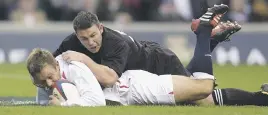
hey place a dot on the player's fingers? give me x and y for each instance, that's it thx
(65, 57)
(51, 97)
(51, 103)
(68, 59)
(70, 52)
(67, 53)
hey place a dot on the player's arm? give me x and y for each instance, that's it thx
(105, 75)
(112, 65)
(42, 96)
(87, 85)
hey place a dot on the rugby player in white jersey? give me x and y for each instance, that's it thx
(45, 70)
(133, 87)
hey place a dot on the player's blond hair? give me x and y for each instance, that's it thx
(37, 60)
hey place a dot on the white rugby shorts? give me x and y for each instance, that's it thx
(138, 87)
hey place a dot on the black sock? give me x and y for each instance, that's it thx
(201, 61)
(213, 45)
(232, 96)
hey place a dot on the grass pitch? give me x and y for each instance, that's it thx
(134, 110)
(15, 81)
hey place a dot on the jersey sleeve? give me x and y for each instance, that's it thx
(87, 85)
(117, 58)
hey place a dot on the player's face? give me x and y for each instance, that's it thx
(49, 74)
(91, 37)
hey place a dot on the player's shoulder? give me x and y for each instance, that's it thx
(114, 38)
(61, 61)
(73, 66)
(70, 38)
(78, 70)
(72, 70)
(114, 35)
(71, 42)
(77, 66)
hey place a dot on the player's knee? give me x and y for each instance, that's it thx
(203, 88)
(206, 90)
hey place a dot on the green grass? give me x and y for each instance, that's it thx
(243, 77)
(134, 110)
(15, 81)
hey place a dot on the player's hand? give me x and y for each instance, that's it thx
(73, 56)
(54, 100)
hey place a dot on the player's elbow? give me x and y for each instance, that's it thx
(99, 100)
(91, 103)
(94, 99)
(102, 102)
(96, 103)
(110, 81)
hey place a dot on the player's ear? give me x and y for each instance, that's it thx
(101, 27)
(76, 34)
(57, 64)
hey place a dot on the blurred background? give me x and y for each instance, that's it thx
(39, 11)
(27, 24)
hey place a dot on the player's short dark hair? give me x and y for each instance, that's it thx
(36, 61)
(84, 20)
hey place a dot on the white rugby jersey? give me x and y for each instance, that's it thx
(86, 83)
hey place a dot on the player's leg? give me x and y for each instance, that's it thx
(171, 64)
(220, 33)
(186, 89)
(138, 87)
(163, 90)
(201, 61)
(233, 96)
(202, 27)
(203, 6)
(198, 89)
